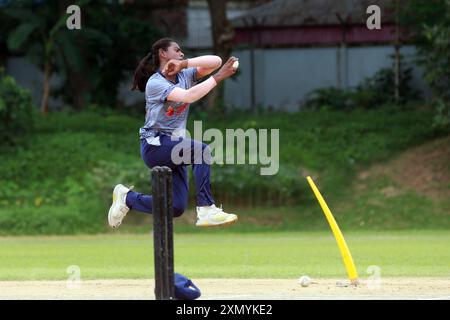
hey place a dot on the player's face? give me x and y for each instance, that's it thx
(174, 52)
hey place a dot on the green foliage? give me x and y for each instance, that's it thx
(329, 98)
(95, 58)
(414, 15)
(437, 60)
(61, 181)
(442, 117)
(20, 35)
(369, 207)
(130, 36)
(371, 93)
(380, 89)
(39, 30)
(66, 173)
(16, 111)
(236, 184)
(328, 144)
(432, 27)
(436, 63)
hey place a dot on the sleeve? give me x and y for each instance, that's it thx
(190, 74)
(158, 90)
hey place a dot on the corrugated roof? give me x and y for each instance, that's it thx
(283, 13)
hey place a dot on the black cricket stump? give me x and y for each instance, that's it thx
(163, 233)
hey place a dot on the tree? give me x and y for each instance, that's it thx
(414, 15)
(131, 35)
(93, 60)
(436, 61)
(429, 20)
(222, 34)
(41, 32)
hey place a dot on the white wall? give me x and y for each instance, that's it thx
(284, 77)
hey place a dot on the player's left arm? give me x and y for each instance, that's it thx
(205, 65)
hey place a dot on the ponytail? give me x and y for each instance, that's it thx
(149, 64)
(143, 72)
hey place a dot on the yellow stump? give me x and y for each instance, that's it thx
(343, 248)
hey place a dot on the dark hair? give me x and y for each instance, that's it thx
(149, 64)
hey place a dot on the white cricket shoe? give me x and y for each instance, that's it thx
(212, 216)
(119, 208)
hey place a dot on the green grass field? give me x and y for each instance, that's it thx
(227, 255)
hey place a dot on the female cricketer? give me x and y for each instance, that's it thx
(170, 85)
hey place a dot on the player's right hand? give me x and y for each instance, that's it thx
(174, 66)
(226, 70)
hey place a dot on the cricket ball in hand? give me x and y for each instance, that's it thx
(236, 64)
(304, 281)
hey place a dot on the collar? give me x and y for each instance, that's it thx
(176, 80)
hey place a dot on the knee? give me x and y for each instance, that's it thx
(178, 211)
(179, 207)
(180, 204)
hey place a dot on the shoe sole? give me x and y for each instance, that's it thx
(113, 207)
(218, 225)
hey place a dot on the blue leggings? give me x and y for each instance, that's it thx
(161, 156)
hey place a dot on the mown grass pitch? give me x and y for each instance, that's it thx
(227, 255)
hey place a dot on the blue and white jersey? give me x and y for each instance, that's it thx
(161, 115)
